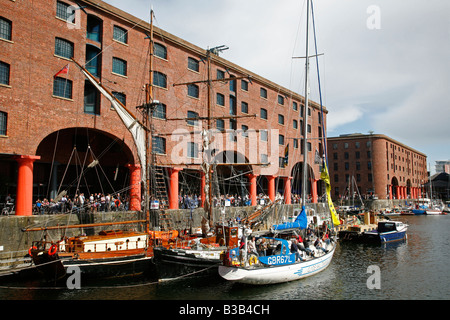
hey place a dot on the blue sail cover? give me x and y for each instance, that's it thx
(300, 223)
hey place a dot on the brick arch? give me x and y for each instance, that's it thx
(64, 153)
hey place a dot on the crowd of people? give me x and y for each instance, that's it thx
(96, 202)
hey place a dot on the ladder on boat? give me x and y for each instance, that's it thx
(159, 192)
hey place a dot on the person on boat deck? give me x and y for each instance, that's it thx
(308, 251)
(262, 247)
(251, 246)
(326, 237)
(295, 249)
(319, 245)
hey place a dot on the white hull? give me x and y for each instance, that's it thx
(433, 212)
(277, 274)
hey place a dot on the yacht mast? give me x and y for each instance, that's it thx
(305, 114)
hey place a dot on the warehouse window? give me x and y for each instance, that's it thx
(159, 145)
(193, 64)
(63, 48)
(192, 115)
(62, 88)
(160, 51)
(160, 111)
(119, 66)
(120, 34)
(91, 99)
(3, 123)
(263, 93)
(5, 28)
(93, 60)
(193, 91)
(263, 114)
(192, 151)
(159, 79)
(65, 12)
(4, 73)
(94, 28)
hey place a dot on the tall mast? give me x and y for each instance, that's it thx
(149, 104)
(305, 113)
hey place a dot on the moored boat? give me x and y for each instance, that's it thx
(387, 231)
(282, 265)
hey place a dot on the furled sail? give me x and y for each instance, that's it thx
(135, 127)
(326, 178)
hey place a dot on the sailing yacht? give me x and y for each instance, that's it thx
(280, 258)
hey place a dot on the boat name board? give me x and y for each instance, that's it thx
(278, 260)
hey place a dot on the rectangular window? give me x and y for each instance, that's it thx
(119, 66)
(121, 97)
(263, 93)
(244, 130)
(220, 99)
(65, 12)
(280, 100)
(244, 107)
(281, 140)
(120, 34)
(63, 48)
(192, 151)
(220, 74)
(5, 29)
(3, 123)
(264, 135)
(160, 111)
(159, 145)
(264, 158)
(160, 51)
(233, 105)
(280, 119)
(4, 73)
(263, 114)
(193, 64)
(295, 143)
(191, 116)
(159, 79)
(295, 124)
(244, 85)
(220, 124)
(62, 88)
(193, 91)
(294, 106)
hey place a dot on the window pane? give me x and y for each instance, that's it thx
(62, 88)
(65, 12)
(3, 123)
(193, 65)
(220, 99)
(4, 73)
(121, 97)
(244, 107)
(159, 145)
(263, 113)
(192, 150)
(192, 114)
(120, 34)
(63, 48)
(160, 111)
(160, 51)
(193, 91)
(5, 29)
(119, 66)
(159, 79)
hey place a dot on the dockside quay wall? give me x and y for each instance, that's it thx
(15, 242)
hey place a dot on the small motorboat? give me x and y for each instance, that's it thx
(387, 231)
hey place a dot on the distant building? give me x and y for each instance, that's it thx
(381, 167)
(443, 166)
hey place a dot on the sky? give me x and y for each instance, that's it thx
(385, 65)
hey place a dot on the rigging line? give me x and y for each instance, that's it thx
(318, 78)
(53, 161)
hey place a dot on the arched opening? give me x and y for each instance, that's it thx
(81, 160)
(394, 184)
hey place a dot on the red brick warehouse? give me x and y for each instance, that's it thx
(51, 125)
(379, 165)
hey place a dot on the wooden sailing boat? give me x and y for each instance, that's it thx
(281, 263)
(114, 252)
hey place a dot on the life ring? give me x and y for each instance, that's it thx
(252, 260)
(52, 250)
(31, 248)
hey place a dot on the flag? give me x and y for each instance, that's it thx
(286, 156)
(64, 70)
(326, 178)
